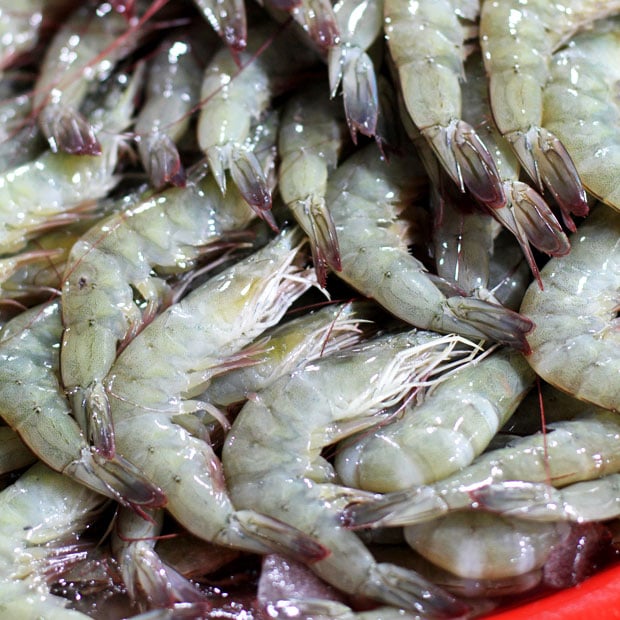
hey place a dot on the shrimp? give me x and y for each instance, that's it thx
(39, 513)
(580, 107)
(85, 49)
(237, 90)
(144, 573)
(478, 545)
(133, 250)
(228, 19)
(14, 454)
(50, 190)
(430, 66)
(170, 361)
(363, 197)
(571, 451)
(576, 338)
(286, 346)
(172, 91)
(517, 43)
(33, 404)
(452, 426)
(279, 433)
(310, 141)
(360, 24)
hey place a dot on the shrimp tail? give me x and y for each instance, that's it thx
(415, 505)
(405, 588)
(99, 419)
(493, 321)
(228, 19)
(354, 68)
(549, 164)
(468, 161)
(67, 130)
(163, 162)
(116, 477)
(248, 528)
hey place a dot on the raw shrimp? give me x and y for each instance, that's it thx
(478, 545)
(172, 91)
(84, 50)
(517, 42)
(580, 107)
(582, 502)
(286, 346)
(279, 433)
(237, 90)
(363, 196)
(49, 190)
(14, 453)
(131, 251)
(360, 25)
(33, 404)
(41, 514)
(311, 137)
(452, 426)
(576, 340)
(145, 575)
(171, 361)
(426, 40)
(580, 449)
(228, 19)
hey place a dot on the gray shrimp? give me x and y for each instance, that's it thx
(277, 436)
(444, 433)
(364, 195)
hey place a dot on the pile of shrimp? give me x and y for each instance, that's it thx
(210, 210)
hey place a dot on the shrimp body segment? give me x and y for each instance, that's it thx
(364, 195)
(279, 434)
(171, 361)
(34, 405)
(112, 260)
(517, 41)
(576, 342)
(426, 42)
(444, 433)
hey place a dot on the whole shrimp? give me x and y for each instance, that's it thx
(133, 250)
(580, 107)
(580, 449)
(364, 195)
(171, 361)
(311, 138)
(33, 404)
(172, 91)
(40, 514)
(575, 342)
(444, 433)
(236, 91)
(430, 67)
(51, 189)
(278, 435)
(85, 49)
(517, 42)
(479, 545)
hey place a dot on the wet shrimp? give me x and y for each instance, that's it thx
(157, 376)
(364, 195)
(430, 68)
(236, 91)
(444, 433)
(580, 449)
(278, 435)
(51, 189)
(228, 19)
(576, 338)
(41, 514)
(580, 107)
(33, 404)
(311, 138)
(517, 42)
(172, 92)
